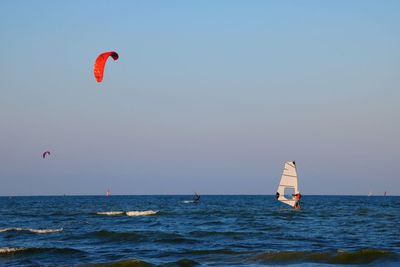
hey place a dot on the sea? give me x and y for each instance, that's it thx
(220, 230)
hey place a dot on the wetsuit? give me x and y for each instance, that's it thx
(196, 198)
(297, 203)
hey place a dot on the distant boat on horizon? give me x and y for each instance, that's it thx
(108, 193)
(370, 194)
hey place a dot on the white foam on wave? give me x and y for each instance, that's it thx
(188, 201)
(6, 250)
(141, 213)
(36, 231)
(110, 213)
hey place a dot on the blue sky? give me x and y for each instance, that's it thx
(207, 96)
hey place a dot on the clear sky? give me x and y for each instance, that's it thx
(207, 96)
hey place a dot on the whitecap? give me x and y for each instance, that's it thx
(45, 231)
(6, 250)
(110, 213)
(141, 213)
(36, 231)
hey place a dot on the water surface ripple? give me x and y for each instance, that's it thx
(221, 230)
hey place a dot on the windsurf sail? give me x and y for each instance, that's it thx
(288, 186)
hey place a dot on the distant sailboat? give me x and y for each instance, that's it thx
(108, 193)
(385, 194)
(288, 190)
(370, 193)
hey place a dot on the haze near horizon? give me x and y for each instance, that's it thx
(209, 96)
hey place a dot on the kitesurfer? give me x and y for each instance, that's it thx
(196, 198)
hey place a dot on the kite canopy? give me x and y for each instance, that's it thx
(99, 65)
(46, 153)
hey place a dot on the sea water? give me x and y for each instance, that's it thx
(220, 230)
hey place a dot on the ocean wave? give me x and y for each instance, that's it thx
(141, 213)
(172, 238)
(10, 250)
(138, 236)
(110, 213)
(213, 251)
(181, 262)
(36, 231)
(364, 256)
(117, 236)
(122, 263)
(140, 263)
(128, 213)
(214, 233)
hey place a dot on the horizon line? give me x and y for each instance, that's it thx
(103, 195)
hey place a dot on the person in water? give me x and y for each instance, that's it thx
(196, 198)
(297, 198)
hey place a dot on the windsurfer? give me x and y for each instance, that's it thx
(297, 198)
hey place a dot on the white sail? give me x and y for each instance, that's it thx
(288, 181)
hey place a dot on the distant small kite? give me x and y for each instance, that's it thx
(46, 153)
(100, 63)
